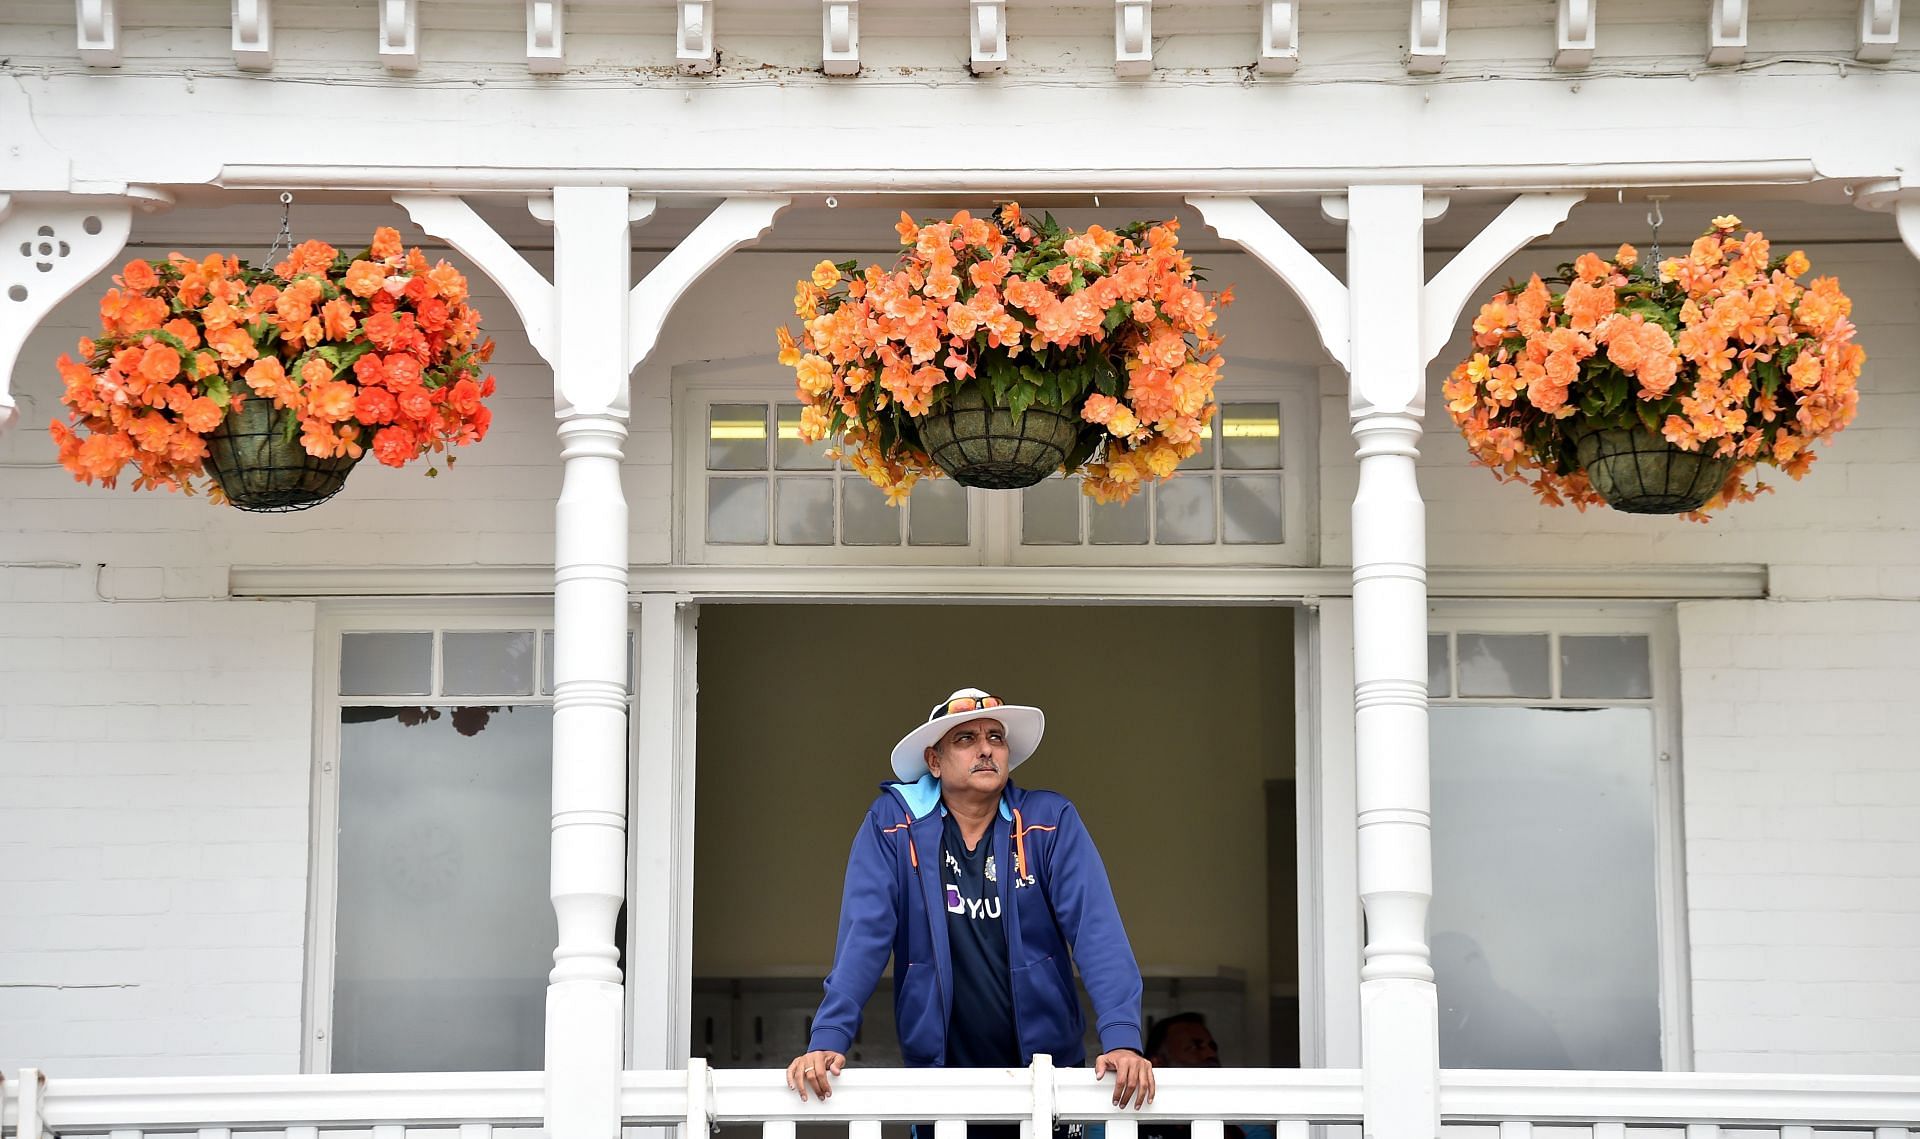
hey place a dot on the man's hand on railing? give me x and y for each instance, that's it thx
(812, 1070)
(1132, 1076)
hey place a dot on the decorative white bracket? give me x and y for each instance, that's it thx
(1879, 31)
(530, 294)
(1279, 37)
(98, 24)
(1727, 32)
(987, 28)
(840, 37)
(47, 252)
(1133, 37)
(1527, 217)
(732, 224)
(400, 34)
(1427, 37)
(694, 48)
(1243, 222)
(253, 35)
(546, 36)
(1896, 197)
(1574, 33)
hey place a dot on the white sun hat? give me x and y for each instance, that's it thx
(1024, 725)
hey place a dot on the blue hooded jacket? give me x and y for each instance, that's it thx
(1058, 909)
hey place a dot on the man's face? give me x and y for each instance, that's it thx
(1189, 1046)
(972, 756)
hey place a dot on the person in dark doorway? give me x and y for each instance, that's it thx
(985, 895)
(1183, 1040)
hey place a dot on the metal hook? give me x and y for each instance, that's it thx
(1654, 217)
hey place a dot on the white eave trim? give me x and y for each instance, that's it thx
(1007, 583)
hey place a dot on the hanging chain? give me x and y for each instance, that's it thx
(1654, 218)
(284, 239)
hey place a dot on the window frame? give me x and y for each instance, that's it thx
(414, 615)
(1656, 622)
(698, 387)
(1296, 392)
(994, 519)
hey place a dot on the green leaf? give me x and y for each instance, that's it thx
(1649, 415)
(1021, 400)
(1613, 386)
(216, 390)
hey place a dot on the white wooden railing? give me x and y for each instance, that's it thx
(1502, 1105)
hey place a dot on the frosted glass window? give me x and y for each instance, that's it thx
(444, 934)
(937, 514)
(1126, 523)
(865, 517)
(1250, 508)
(1250, 436)
(1050, 513)
(1183, 511)
(386, 664)
(737, 437)
(1203, 460)
(737, 511)
(1439, 683)
(1544, 932)
(804, 512)
(1504, 665)
(789, 453)
(487, 664)
(546, 656)
(1605, 668)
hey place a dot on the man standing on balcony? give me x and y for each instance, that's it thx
(986, 896)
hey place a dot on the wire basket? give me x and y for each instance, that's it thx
(1639, 472)
(985, 446)
(262, 468)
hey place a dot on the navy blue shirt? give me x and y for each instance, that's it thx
(980, 1033)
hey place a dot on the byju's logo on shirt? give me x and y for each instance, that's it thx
(973, 909)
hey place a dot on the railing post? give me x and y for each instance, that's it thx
(1043, 1096)
(33, 1084)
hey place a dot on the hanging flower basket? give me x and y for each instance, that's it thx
(981, 445)
(1637, 471)
(274, 383)
(256, 459)
(1660, 392)
(1003, 349)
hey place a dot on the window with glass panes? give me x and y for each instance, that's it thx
(1233, 493)
(751, 492)
(436, 860)
(765, 487)
(1549, 801)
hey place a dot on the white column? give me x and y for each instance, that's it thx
(1407, 319)
(595, 328)
(584, 1000)
(1399, 1019)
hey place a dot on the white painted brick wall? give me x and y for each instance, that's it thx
(154, 772)
(1803, 834)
